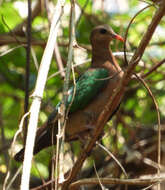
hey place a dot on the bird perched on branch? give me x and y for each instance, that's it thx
(93, 90)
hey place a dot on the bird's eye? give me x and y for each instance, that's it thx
(103, 31)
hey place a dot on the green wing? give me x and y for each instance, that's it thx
(88, 87)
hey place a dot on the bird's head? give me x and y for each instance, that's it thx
(103, 34)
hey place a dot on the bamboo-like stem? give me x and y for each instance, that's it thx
(38, 94)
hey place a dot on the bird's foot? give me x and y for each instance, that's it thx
(83, 139)
(91, 118)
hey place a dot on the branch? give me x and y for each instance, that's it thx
(115, 99)
(63, 110)
(158, 117)
(6, 39)
(57, 54)
(116, 181)
(35, 12)
(154, 68)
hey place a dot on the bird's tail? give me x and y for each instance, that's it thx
(45, 137)
(20, 155)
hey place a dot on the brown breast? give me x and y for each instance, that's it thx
(85, 119)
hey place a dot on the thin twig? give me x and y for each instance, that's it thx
(11, 32)
(154, 68)
(12, 147)
(27, 73)
(6, 39)
(109, 181)
(128, 27)
(82, 11)
(13, 178)
(150, 186)
(35, 12)
(116, 54)
(63, 109)
(34, 59)
(158, 117)
(116, 181)
(10, 50)
(57, 54)
(59, 60)
(3, 138)
(101, 185)
(115, 159)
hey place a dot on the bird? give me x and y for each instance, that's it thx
(93, 90)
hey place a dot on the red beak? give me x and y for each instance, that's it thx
(118, 37)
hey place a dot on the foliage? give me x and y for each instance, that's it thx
(137, 110)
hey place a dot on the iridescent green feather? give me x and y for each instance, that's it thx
(88, 86)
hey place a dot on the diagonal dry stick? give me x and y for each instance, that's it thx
(158, 117)
(116, 181)
(35, 12)
(154, 68)
(117, 95)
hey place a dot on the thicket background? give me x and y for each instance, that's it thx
(131, 135)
